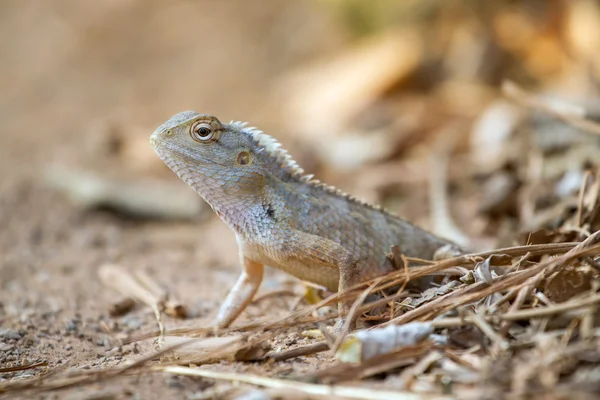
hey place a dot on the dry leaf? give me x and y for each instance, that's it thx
(363, 345)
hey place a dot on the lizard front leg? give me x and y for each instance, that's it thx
(241, 293)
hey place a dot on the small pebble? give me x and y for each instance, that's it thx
(71, 326)
(132, 323)
(174, 382)
(11, 334)
(6, 347)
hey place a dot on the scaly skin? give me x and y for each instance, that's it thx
(282, 217)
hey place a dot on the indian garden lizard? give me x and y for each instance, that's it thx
(281, 216)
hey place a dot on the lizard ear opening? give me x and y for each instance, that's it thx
(243, 158)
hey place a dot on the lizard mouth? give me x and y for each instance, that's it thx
(167, 151)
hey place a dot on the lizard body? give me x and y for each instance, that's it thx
(282, 217)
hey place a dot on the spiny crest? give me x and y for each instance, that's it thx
(272, 147)
(287, 163)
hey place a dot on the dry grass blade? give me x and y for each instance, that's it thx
(409, 374)
(434, 305)
(113, 276)
(439, 161)
(203, 346)
(351, 392)
(23, 367)
(542, 312)
(522, 295)
(116, 278)
(352, 315)
(484, 327)
(582, 191)
(514, 92)
(309, 349)
(170, 305)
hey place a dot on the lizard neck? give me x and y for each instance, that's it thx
(243, 213)
(239, 197)
(237, 200)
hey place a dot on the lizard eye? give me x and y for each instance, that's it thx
(202, 131)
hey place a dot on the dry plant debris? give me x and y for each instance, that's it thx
(515, 326)
(142, 288)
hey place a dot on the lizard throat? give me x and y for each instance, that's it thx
(208, 181)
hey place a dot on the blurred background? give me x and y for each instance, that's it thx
(397, 102)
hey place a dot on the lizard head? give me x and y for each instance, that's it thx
(224, 163)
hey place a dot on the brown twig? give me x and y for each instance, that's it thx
(307, 350)
(514, 92)
(23, 367)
